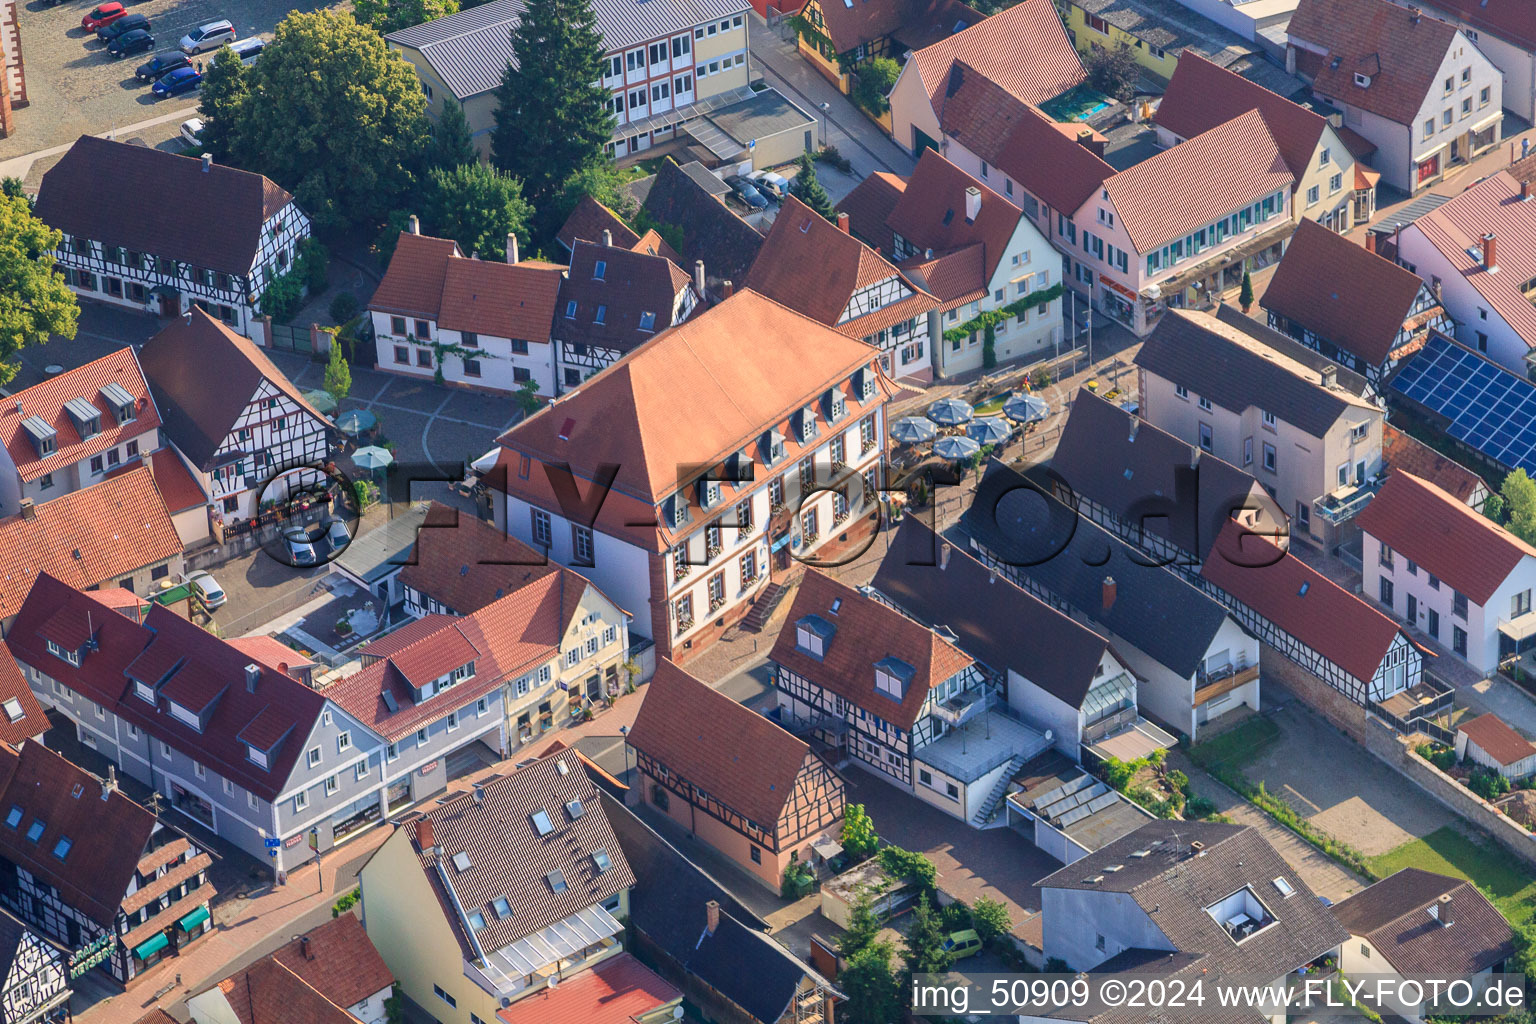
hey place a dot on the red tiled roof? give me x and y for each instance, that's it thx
(1400, 49)
(485, 297)
(1497, 739)
(1024, 49)
(1490, 206)
(1340, 291)
(616, 991)
(93, 536)
(1404, 452)
(725, 748)
(178, 488)
(1020, 141)
(46, 401)
(628, 414)
(1180, 189)
(1300, 600)
(338, 961)
(1202, 95)
(413, 283)
(270, 991)
(589, 220)
(869, 204)
(866, 632)
(931, 214)
(954, 278)
(1513, 20)
(916, 23)
(269, 717)
(32, 723)
(1462, 547)
(652, 244)
(399, 639)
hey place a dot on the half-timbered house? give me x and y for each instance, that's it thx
(94, 871)
(614, 300)
(836, 37)
(470, 322)
(771, 453)
(71, 430)
(732, 778)
(1362, 311)
(228, 235)
(817, 268)
(244, 436)
(34, 976)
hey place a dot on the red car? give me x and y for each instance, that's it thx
(106, 14)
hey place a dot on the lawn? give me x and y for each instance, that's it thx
(993, 405)
(1237, 746)
(1505, 879)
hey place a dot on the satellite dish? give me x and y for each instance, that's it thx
(677, 1013)
(1049, 735)
(554, 979)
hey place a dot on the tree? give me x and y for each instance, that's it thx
(34, 301)
(476, 206)
(12, 187)
(527, 399)
(1519, 495)
(1113, 71)
(334, 117)
(874, 81)
(1245, 293)
(452, 145)
(552, 117)
(923, 950)
(990, 919)
(600, 181)
(1493, 508)
(863, 924)
(809, 191)
(859, 837)
(338, 375)
(384, 16)
(220, 98)
(873, 996)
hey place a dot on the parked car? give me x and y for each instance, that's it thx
(192, 131)
(207, 588)
(248, 49)
(962, 944)
(771, 184)
(301, 549)
(746, 192)
(177, 82)
(207, 37)
(127, 23)
(136, 41)
(337, 536)
(161, 64)
(106, 14)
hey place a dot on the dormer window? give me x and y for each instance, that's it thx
(647, 321)
(144, 692)
(892, 676)
(119, 401)
(864, 384)
(256, 757)
(805, 424)
(73, 657)
(836, 406)
(44, 438)
(773, 447)
(675, 509)
(709, 493)
(87, 417)
(812, 634)
(183, 715)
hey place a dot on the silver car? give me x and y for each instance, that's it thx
(207, 588)
(301, 550)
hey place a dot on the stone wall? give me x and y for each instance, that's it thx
(1340, 711)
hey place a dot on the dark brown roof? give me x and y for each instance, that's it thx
(508, 858)
(931, 213)
(501, 300)
(917, 23)
(466, 563)
(724, 748)
(1202, 95)
(589, 220)
(1514, 20)
(994, 621)
(215, 222)
(1404, 452)
(1020, 141)
(1464, 935)
(1340, 291)
(1023, 48)
(338, 961)
(413, 282)
(192, 350)
(270, 991)
(1400, 49)
(633, 284)
(1497, 739)
(1448, 538)
(869, 204)
(711, 232)
(107, 836)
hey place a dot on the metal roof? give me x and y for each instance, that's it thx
(385, 549)
(117, 395)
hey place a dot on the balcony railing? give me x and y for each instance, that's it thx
(1214, 684)
(1344, 504)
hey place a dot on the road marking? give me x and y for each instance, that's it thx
(425, 451)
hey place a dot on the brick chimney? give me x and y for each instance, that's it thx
(842, 222)
(711, 916)
(727, 289)
(1370, 241)
(426, 838)
(1109, 592)
(304, 948)
(1490, 252)
(28, 509)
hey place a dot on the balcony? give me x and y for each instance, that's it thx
(1209, 686)
(1344, 504)
(964, 706)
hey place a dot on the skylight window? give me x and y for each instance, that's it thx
(61, 848)
(35, 830)
(600, 858)
(600, 270)
(461, 860)
(13, 710)
(574, 809)
(541, 823)
(556, 880)
(477, 920)
(1283, 884)
(14, 818)
(501, 907)
(647, 321)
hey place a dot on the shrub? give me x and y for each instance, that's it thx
(990, 919)
(1199, 807)
(956, 917)
(347, 902)
(314, 262)
(831, 156)
(794, 875)
(859, 837)
(1489, 785)
(282, 297)
(343, 307)
(913, 868)
(1440, 756)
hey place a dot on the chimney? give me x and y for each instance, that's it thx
(943, 556)
(1525, 188)
(1135, 423)
(698, 277)
(992, 575)
(1370, 241)
(607, 239)
(1490, 252)
(109, 784)
(304, 949)
(711, 916)
(1414, 14)
(842, 222)
(1434, 286)
(1330, 376)
(727, 289)
(1109, 592)
(512, 253)
(425, 837)
(28, 509)
(972, 203)
(1444, 907)
(252, 677)
(1197, 848)
(207, 162)
(1290, 60)
(479, 793)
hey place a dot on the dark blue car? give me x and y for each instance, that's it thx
(177, 82)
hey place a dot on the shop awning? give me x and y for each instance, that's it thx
(194, 919)
(149, 947)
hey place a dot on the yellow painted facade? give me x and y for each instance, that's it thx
(1088, 31)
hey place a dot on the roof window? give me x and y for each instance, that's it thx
(461, 861)
(541, 823)
(556, 880)
(574, 809)
(601, 860)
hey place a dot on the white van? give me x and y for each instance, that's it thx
(207, 37)
(248, 49)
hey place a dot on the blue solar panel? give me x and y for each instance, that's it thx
(1488, 407)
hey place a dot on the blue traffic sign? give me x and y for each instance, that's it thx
(273, 843)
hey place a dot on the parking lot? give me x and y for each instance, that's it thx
(76, 88)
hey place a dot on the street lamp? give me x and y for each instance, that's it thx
(624, 742)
